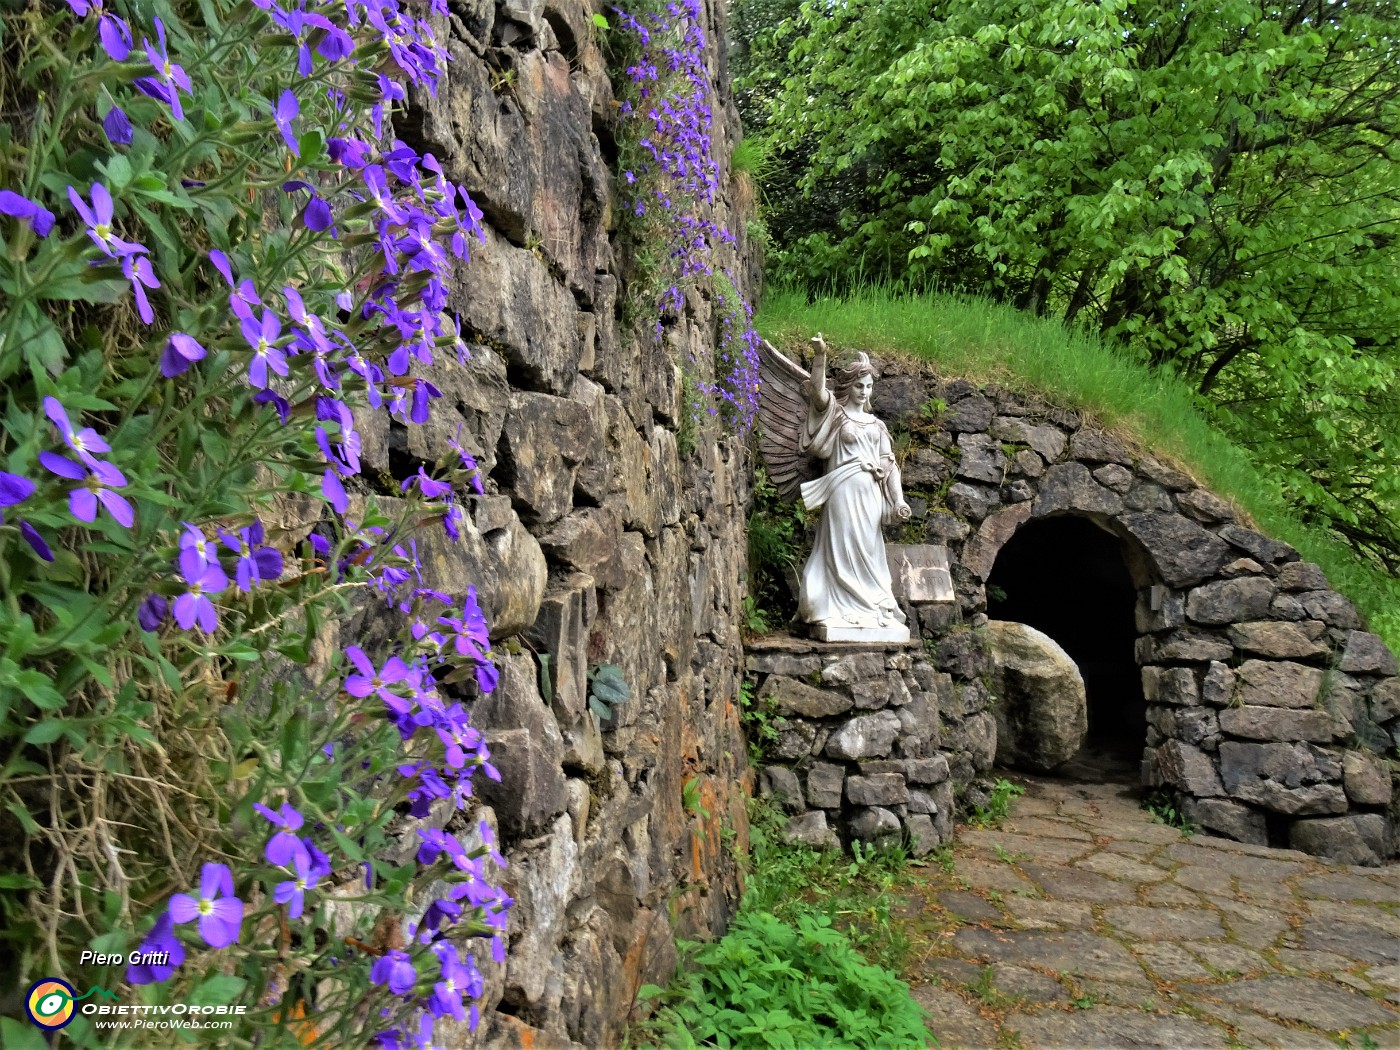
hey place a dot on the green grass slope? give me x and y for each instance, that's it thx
(984, 342)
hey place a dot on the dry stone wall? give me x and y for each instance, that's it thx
(596, 541)
(1270, 708)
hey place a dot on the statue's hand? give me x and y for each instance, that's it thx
(903, 512)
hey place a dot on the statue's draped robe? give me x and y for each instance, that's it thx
(846, 581)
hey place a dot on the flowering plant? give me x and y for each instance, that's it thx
(218, 265)
(671, 177)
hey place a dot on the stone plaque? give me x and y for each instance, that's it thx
(919, 572)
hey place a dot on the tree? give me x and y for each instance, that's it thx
(1212, 185)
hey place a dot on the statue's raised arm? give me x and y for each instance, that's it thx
(818, 398)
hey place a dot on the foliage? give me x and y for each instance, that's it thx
(607, 688)
(1216, 191)
(1162, 806)
(670, 178)
(690, 798)
(777, 545)
(760, 720)
(990, 343)
(998, 805)
(216, 261)
(785, 975)
(768, 983)
(755, 619)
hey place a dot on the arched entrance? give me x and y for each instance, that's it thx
(1069, 578)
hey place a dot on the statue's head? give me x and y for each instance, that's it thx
(852, 385)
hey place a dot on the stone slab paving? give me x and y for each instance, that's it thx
(1081, 923)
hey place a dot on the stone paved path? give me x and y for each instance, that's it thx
(1082, 923)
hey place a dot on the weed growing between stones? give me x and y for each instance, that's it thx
(1162, 806)
(808, 961)
(217, 263)
(777, 547)
(997, 808)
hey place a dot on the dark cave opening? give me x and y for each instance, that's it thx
(1069, 578)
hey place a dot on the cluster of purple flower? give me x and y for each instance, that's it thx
(672, 99)
(419, 221)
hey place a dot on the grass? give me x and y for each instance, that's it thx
(987, 343)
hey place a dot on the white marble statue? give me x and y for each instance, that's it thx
(827, 446)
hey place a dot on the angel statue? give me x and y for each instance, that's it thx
(826, 445)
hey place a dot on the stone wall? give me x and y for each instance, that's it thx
(596, 542)
(1270, 708)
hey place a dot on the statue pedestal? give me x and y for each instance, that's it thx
(821, 633)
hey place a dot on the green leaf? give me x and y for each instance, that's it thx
(47, 732)
(609, 685)
(218, 990)
(21, 1036)
(600, 21)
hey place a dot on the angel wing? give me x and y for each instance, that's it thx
(782, 410)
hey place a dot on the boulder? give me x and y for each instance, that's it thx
(865, 736)
(1257, 546)
(1226, 601)
(1097, 447)
(1366, 779)
(1041, 713)
(1205, 506)
(810, 829)
(981, 458)
(1279, 683)
(1367, 654)
(877, 789)
(780, 784)
(1183, 551)
(1070, 486)
(1361, 838)
(792, 697)
(1301, 576)
(875, 825)
(1231, 819)
(1279, 640)
(824, 782)
(1295, 778)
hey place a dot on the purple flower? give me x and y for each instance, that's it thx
(32, 537)
(426, 485)
(334, 491)
(244, 296)
(293, 891)
(457, 980)
(318, 216)
(39, 218)
(138, 271)
(99, 222)
(161, 938)
(98, 479)
(84, 442)
(286, 111)
(169, 79)
(220, 913)
(262, 337)
(14, 489)
(196, 552)
(152, 612)
(256, 563)
(194, 605)
(284, 845)
(395, 969)
(116, 39)
(181, 352)
(371, 681)
(117, 126)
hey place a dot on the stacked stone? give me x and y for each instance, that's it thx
(856, 755)
(1270, 707)
(595, 541)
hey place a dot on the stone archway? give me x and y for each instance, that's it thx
(1266, 701)
(1069, 578)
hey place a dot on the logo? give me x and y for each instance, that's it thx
(50, 1003)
